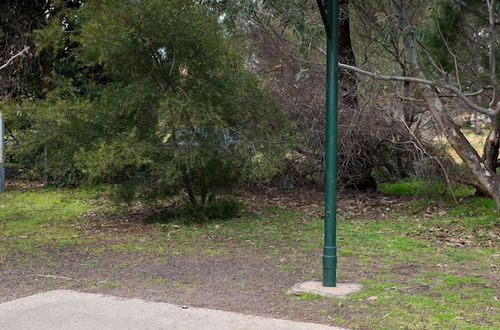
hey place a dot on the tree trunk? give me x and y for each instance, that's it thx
(486, 177)
(189, 188)
(492, 145)
(348, 80)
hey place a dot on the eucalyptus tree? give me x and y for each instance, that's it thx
(448, 50)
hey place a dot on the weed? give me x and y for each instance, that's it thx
(309, 296)
(160, 280)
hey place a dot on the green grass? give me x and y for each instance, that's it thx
(426, 190)
(403, 188)
(308, 296)
(419, 279)
(29, 219)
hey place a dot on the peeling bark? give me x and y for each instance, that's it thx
(491, 147)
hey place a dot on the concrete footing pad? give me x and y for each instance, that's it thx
(70, 310)
(342, 290)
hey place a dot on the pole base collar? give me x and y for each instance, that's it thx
(342, 290)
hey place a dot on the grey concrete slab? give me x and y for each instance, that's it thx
(342, 290)
(70, 310)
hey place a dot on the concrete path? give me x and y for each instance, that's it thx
(70, 310)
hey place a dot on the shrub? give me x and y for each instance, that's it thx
(135, 73)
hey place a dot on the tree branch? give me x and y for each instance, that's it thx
(493, 54)
(470, 9)
(476, 93)
(458, 93)
(487, 111)
(322, 10)
(6, 64)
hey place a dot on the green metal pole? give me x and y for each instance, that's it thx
(332, 86)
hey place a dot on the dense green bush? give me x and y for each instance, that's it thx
(131, 74)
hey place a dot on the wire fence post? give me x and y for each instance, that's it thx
(2, 153)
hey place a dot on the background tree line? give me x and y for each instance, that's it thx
(107, 86)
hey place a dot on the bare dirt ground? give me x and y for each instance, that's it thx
(239, 277)
(240, 280)
(237, 281)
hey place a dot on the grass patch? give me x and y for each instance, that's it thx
(426, 189)
(414, 272)
(403, 188)
(308, 296)
(28, 219)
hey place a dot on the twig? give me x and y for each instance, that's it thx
(53, 277)
(6, 64)
(451, 53)
(476, 93)
(493, 54)
(487, 111)
(473, 11)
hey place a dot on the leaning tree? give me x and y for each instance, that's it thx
(449, 50)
